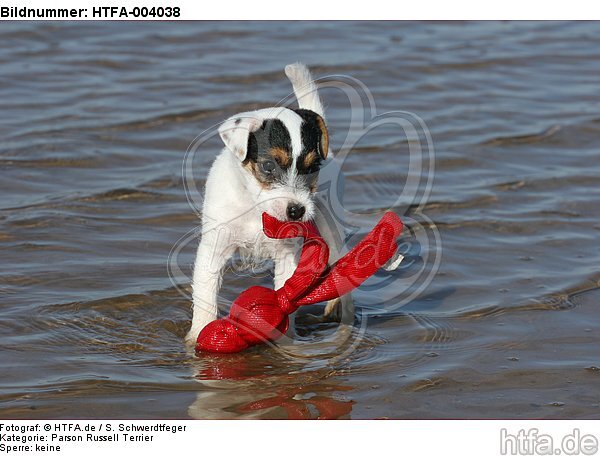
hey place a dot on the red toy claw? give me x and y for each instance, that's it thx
(260, 314)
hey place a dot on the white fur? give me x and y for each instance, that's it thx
(305, 88)
(234, 202)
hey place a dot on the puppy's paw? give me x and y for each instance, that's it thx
(333, 310)
(191, 337)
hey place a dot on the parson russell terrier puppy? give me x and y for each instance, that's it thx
(270, 163)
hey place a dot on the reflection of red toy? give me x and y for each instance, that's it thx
(327, 408)
(260, 314)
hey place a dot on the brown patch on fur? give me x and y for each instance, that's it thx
(324, 136)
(281, 156)
(252, 168)
(309, 159)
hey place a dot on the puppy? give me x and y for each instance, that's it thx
(270, 163)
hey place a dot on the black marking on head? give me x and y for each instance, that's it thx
(314, 142)
(279, 136)
(237, 121)
(269, 151)
(251, 149)
(271, 134)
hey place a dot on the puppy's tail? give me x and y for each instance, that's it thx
(305, 88)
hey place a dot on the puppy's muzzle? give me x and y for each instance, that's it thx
(295, 211)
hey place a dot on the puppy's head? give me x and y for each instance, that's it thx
(280, 153)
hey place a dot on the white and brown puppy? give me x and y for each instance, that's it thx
(270, 163)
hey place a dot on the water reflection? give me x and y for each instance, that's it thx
(246, 386)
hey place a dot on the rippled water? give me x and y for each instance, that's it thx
(96, 119)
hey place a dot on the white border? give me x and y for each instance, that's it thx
(291, 438)
(322, 10)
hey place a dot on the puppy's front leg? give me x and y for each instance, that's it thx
(215, 249)
(285, 265)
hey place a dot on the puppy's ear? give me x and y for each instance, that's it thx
(235, 132)
(324, 143)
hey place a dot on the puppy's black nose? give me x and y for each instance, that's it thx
(295, 211)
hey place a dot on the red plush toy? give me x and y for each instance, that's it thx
(260, 314)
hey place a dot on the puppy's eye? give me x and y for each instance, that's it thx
(268, 166)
